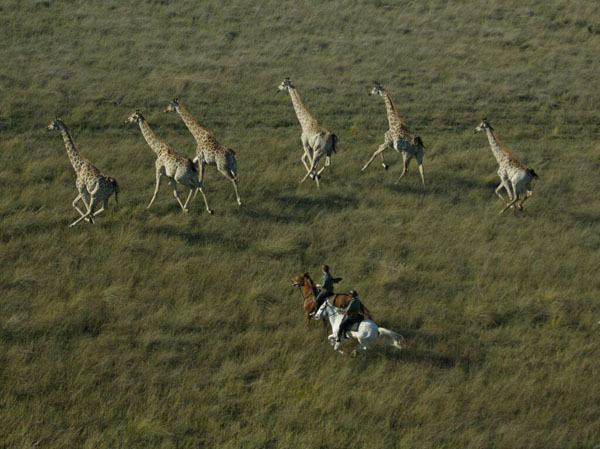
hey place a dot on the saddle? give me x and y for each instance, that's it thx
(353, 327)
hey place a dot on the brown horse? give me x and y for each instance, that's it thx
(309, 291)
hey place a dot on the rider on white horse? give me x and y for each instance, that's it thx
(352, 314)
(367, 331)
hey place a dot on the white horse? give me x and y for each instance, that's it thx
(366, 333)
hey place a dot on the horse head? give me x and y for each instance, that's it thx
(298, 281)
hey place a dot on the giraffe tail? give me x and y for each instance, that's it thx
(232, 163)
(113, 181)
(532, 173)
(193, 166)
(334, 141)
(419, 142)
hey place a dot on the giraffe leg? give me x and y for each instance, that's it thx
(176, 195)
(234, 181)
(383, 164)
(529, 194)
(380, 150)
(158, 175)
(500, 186)
(103, 208)
(77, 198)
(513, 200)
(201, 189)
(185, 205)
(313, 166)
(405, 160)
(200, 176)
(89, 213)
(327, 164)
(303, 159)
(420, 163)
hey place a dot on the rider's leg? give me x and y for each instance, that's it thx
(319, 300)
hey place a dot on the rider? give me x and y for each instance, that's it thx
(352, 314)
(326, 287)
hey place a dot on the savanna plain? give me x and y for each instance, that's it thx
(159, 329)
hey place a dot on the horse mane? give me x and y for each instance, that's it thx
(311, 284)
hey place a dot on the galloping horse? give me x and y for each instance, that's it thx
(367, 330)
(309, 291)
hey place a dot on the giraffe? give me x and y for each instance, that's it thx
(93, 186)
(174, 166)
(316, 140)
(397, 137)
(514, 176)
(208, 150)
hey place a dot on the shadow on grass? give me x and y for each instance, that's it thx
(451, 185)
(330, 201)
(195, 237)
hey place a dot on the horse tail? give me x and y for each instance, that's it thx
(113, 181)
(365, 311)
(393, 336)
(532, 173)
(334, 141)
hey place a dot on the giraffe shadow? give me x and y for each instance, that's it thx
(268, 215)
(330, 201)
(453, 184)
(198, 236)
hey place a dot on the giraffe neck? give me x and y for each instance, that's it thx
(156, 145)
(77, 160)
(501, 154)
(196, 130)
(393, 118)
(306, 120)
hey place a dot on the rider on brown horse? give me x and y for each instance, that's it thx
(326, 287)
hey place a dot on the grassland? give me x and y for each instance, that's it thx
(159, 329)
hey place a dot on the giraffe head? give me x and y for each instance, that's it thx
(136, 117)
(172, 106)
(377, 90)
(483, 126)
(286, 85)
(57, 123)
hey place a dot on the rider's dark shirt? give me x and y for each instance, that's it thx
(327, 282)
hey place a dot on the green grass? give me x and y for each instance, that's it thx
(159, 329)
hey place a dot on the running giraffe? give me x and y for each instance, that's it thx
(208, 150)
(316, 140)
(174, 166)
(514, 176)
(397, 137)
(93, 186)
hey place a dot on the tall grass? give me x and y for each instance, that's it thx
(163, 329)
